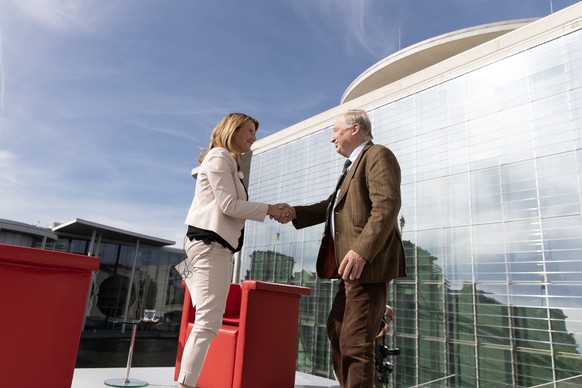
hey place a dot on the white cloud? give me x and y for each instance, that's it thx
(167, 131)
(364, 24)
(6, 158)
(64, 14)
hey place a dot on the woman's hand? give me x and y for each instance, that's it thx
(281, 212)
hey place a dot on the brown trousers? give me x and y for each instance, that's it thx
(352, 326)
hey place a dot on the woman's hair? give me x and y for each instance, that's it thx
(222, 134)
(358, 116)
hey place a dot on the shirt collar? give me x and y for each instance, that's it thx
(357, 151)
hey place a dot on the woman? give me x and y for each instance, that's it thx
(215, 231)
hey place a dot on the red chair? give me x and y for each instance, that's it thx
(43, 296)
(256, 346)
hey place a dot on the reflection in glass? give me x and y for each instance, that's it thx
(492, 196)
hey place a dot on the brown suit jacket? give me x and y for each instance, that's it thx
(366, 214)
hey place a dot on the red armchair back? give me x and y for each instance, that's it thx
(256, 346)
(43, 294)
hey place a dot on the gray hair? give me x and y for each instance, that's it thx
(360, 117)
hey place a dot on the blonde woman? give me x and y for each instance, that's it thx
(215, 231)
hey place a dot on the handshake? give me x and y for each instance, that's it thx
(281, 212)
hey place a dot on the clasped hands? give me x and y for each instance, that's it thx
(281, 212)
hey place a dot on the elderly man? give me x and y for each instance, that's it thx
(361, 245)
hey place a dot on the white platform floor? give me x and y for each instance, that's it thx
(164, 377)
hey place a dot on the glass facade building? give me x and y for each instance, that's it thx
(120, 289)
(490, 147)
(136, 272)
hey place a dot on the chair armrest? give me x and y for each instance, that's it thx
(275, 287)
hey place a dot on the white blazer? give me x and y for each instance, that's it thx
(220, 201)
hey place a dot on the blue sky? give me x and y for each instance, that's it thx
(105, 104)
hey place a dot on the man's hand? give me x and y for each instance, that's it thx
(351, 266)
(281, 212)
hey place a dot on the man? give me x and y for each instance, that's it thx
(383, 366)
(385, 328)
(361, 246)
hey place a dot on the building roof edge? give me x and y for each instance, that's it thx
(424, 54)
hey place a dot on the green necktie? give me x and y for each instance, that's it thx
(347, 164)
(338, 185)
